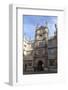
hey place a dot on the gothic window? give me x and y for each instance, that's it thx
(52, 53)
(40, 52)
(42, 44)
(37, 52)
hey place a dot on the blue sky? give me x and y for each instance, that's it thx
(30, 23)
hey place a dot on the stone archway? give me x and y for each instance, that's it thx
(40, 66)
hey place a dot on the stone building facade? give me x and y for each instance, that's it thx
(52, 51)
(27, 56)
(40, 62)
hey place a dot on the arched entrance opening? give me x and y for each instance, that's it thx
(40, 66)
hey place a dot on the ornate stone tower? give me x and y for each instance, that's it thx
(40, 61)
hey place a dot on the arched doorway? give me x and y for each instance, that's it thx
(40, 66)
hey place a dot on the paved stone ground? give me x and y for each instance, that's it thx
(42, 72)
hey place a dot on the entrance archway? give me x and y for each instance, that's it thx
(40, 66)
